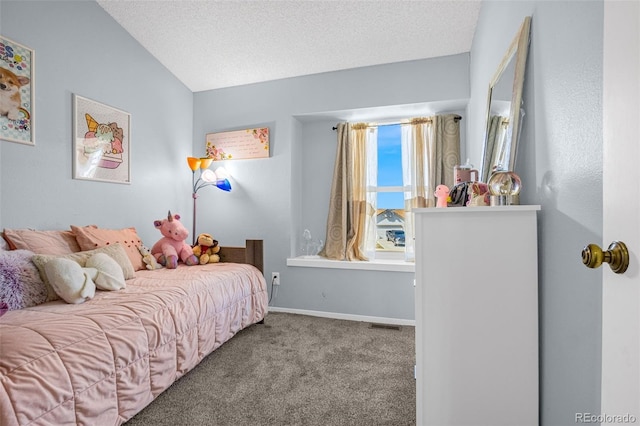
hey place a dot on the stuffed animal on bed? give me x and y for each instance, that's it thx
(172, 247)
(148, 259)
(207, 249)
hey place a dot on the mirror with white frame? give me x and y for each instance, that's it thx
(504, 112)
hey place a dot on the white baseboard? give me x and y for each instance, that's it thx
(350, 317)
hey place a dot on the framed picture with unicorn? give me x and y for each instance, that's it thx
(101, 142)
(16, 92)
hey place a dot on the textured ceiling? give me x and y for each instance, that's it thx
(214, 44)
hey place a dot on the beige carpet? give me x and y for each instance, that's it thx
(297, 370)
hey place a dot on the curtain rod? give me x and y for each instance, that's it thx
(456, 118)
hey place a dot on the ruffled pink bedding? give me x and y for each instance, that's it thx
(101, 362)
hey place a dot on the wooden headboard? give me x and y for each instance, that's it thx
(252, 254)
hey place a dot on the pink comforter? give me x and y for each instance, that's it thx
(101, 362)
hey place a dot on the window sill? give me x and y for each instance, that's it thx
(389, 265)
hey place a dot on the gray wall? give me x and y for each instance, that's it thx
(560, 163)
(80, 49)
(277, 198)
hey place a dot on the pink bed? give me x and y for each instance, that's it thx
(101, 362)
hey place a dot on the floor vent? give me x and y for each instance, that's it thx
(384, 326)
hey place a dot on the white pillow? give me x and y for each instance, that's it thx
(115, 251)
(70, 281)
(110, 275)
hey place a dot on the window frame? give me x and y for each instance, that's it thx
(397, 254)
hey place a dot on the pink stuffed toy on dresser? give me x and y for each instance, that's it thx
(172, 246)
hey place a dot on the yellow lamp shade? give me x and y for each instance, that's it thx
(194, 163)
(205, 162)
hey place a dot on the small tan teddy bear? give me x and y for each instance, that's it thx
(206, 249)
(148, 258)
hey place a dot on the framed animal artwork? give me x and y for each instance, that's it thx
(101, 142)
(17, 92)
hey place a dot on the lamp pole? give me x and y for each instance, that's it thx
(195, 196)
(194, 219)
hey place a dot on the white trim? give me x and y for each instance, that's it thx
(392, 265)
(349, 317)
(485, 209)
(394, 255)
(388, 189)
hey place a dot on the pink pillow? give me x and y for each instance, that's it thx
(90, 238)
(42, 242)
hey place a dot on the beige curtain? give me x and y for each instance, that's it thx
(430, 150)
(351, 208)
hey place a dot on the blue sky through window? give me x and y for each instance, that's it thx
(389, 166)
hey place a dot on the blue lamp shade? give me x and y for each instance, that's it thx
(219, 178)
(223, 184)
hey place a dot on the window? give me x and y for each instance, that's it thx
(416, 151)
(390, 196)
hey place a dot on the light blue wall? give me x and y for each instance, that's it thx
(80, 49)
(276, 198)
(560, 163)
(560, 159)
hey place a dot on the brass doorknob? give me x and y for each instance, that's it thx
(617, 256)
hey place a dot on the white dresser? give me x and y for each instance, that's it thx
(477, 316)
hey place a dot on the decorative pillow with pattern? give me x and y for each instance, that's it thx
(90, 238)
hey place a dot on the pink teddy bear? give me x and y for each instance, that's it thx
(172, 246)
